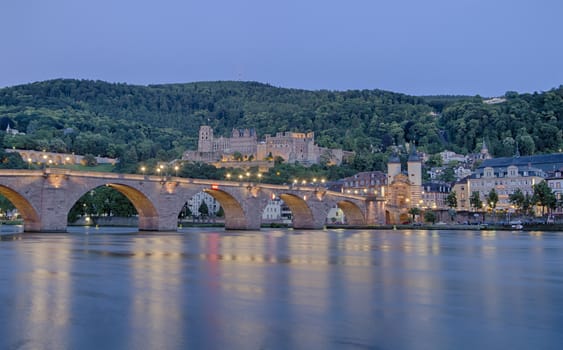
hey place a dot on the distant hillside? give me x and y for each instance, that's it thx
(161, 121)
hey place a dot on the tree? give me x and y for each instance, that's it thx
(220, 212)
(238, 156)
(492, 198)
(89, 160)
(448, 175)
(451, 200)
(203, 209)
(430, 216)
(543, 196)
(475, 200)
(517, 199)
(414, 211)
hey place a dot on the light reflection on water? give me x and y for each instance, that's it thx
(281, 289)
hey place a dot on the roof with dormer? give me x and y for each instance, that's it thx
(545, 162)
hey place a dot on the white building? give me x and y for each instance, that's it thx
(195, 202)
(272, 212)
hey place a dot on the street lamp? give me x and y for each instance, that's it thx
(259, 175)
(143, 169)
(176, 170)
(228, 176)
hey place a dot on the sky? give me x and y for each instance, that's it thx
(417, 47)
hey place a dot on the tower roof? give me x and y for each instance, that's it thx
(413, 156)
(394, 158)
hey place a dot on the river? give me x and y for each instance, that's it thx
(281, 289)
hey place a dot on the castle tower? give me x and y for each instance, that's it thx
(393, 167)
(205, 142)
(414, 169)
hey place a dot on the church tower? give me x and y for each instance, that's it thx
(205, 142)
(414, 169)
(485, 151)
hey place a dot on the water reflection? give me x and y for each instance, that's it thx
(282, 289)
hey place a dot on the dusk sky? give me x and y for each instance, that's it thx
(471, 47)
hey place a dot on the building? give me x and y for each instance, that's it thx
(434, 195)
(195, 202)
(449, 156)
(507, 174)
(243, 144)
(404, 190)
(461, 189)
(277, 211)
(53, 158)
(299, 147)
(367, 183)
(555, 182)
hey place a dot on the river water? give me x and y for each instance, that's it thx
(281, 289)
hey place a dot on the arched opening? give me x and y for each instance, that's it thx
(12, 200)
(234, 214)
(114, 204)
(202, 207)
(353, 215)
(276, 213)
(302, 216)
(336, 216)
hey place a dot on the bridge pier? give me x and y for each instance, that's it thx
(53, 212)
(251, 217)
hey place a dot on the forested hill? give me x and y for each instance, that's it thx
(161, 121)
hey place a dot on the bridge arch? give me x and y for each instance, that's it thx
(302, 214)
(234, 213)
(352, 212)
(29, 214)
(148, 214)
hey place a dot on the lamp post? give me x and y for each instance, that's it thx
(228, 176)
(176, 170)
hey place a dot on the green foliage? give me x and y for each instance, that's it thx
(220, 212)
(430, 216)
(89, 160)
(533, 121)
(414, 211)
(159, 122)
(5, 205)
(11, 160)
(451, 200)
(475, 200)
(543, 196)
(492, 198)
(203, 209)
(517, 199)
(102, 201)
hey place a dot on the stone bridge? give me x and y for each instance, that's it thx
(45, 197)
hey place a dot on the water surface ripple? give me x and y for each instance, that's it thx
(281, 289)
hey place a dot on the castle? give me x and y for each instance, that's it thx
(243, 144)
